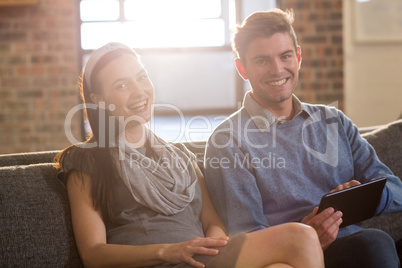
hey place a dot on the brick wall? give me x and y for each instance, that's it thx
(39, 67)
(318, 26)
(38, 75)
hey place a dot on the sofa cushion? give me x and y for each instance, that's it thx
(387, 142)
(35, 222)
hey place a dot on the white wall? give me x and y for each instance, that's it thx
(372, 76)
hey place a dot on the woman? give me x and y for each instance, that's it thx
(139, 201)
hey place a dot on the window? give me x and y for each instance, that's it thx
(180, 42)
(154, 23)
(185, 46)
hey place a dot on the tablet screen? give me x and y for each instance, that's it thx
(357, 203)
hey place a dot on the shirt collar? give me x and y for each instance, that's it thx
(263, 118)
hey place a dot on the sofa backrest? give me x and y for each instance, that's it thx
(27, 158)
(35, 221)
(6, 160)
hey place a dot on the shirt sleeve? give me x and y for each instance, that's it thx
(232, 186)
(367, 167)
(78, 159)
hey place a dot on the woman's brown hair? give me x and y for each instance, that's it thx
(96, 159)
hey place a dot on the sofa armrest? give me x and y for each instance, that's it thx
(35, 221)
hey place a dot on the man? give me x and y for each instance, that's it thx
(272, 161)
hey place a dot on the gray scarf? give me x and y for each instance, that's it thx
(166, 184)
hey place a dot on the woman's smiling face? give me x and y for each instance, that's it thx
(125, 90)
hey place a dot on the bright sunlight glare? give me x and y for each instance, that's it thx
(152, 23)
(172, 10)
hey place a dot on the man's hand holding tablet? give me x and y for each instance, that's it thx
(356, 201)
(343, 206)
(346, 185)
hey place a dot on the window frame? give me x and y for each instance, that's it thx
(239, 83)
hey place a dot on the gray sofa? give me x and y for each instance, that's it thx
(35, 223)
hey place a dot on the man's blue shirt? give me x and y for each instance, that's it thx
(262, 171)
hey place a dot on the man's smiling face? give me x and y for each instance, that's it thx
(272, 66)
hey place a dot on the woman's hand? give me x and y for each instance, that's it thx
(184, 252)
(346, 185)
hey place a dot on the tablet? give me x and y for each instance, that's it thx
(357, 203)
